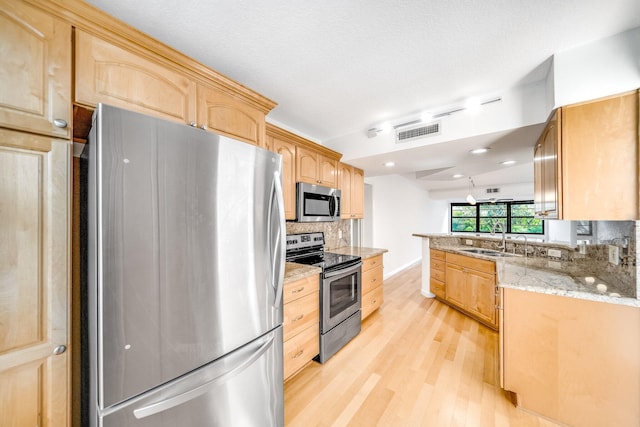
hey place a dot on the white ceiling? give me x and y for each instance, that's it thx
(337, 67)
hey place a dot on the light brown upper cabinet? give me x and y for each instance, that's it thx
(119, 77)
(315, 168)
(586, 161)
(225, 114)
(35, 71)
(545, 161)
(279, 142)
(351, 184)
(126, 75)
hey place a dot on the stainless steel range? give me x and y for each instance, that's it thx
(340, 290)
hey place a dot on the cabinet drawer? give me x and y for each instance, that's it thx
(300, 288)
(371, 279)
(300, 350)
(438, 275)
(371, 301)
(437, 287)
(437, 264)
(301, 314)
(472, 263)
(373, 262)
(436, 254)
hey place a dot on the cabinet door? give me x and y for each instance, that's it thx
(600, 159)
(481, 296)
(35, 70)
(345, 176)
(456, 289)
(546, 177)
(288, 152)
(550, 177)
(110, 74)
(230, 116)
(327, 171)
(357, 193)
(34, 279)
(306, 166)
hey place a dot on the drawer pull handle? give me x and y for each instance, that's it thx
(374, 301)
(298, 354)
(298, 318)
(295, 291)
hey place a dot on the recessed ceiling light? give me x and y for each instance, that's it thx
(508, 162)
(389, 164)
(458, 175)
(480, 150)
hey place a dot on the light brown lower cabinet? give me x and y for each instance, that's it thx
(301, 323)
(372, 289)
(471, 286)
(571, 360)
(437, 273)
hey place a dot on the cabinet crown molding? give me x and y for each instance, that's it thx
(275, 131)
(94, 21)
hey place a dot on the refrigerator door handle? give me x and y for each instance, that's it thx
(181, 398)
(277, 247)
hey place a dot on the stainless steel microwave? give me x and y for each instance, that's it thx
(316, 203)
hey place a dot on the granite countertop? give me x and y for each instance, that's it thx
(547, 276)
(497, 239)
(294, 271)
(362, 252)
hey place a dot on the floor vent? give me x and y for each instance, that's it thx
(421, 131)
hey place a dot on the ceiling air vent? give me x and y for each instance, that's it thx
(420, 131)
(493, 190)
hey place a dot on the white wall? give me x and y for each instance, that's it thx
(402, 208)
(606, 67)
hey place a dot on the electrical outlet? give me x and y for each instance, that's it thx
(469, 242)
(614, 254)
(554, 253)
(339, 234)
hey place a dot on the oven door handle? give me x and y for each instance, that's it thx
(343, 272)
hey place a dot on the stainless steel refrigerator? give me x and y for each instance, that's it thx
(185, 266)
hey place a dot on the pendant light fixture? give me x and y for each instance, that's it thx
(470, 199)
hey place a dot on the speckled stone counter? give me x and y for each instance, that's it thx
(551, 277)
(294, 271)
(364, 253)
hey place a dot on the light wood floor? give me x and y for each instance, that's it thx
(416, 362)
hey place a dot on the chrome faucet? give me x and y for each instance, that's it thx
(503, 246)
(526, 249)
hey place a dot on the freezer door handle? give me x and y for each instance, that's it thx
(277, 247)
(181, 398)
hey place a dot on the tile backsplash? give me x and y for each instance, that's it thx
(336, 234)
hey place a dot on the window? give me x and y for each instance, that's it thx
(516, 217)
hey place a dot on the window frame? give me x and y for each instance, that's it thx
(508, 216)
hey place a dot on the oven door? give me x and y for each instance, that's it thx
(341, 295)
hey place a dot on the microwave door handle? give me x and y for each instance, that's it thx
(334, 214)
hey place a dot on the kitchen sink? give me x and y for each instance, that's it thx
(488, 252)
